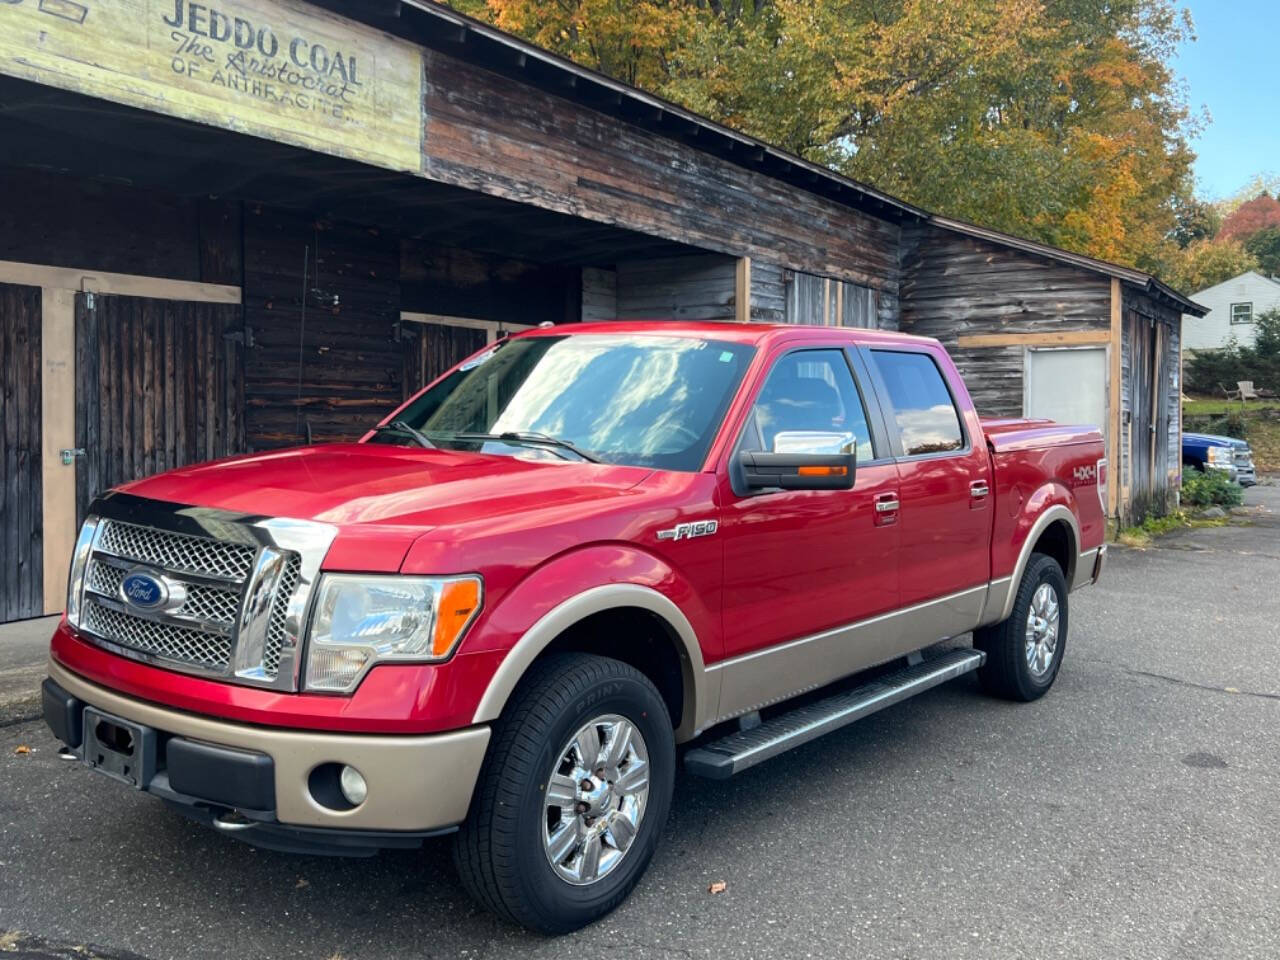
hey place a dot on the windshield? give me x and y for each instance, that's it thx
(652, 401)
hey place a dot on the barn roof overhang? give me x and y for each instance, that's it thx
(441, 28)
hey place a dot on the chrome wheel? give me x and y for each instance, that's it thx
(595, 799)
(1042, 630)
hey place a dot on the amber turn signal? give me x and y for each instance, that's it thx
(823, 471)
(459, 601)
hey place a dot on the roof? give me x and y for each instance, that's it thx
(466, 37)
(1247, 273)
(731, 331)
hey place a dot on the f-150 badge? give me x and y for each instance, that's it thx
(687, 531)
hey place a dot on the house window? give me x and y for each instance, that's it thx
(1242, 313)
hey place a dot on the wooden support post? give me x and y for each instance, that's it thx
(57, 432)
(742, 290)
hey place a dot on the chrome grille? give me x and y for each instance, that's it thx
(176, 551)
(211, 603)
(160, 639)
(276, 633)
(105, 579)
(233, 589)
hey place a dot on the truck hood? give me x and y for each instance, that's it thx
(1214, 440)
(387, 485)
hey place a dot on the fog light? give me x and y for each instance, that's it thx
(353, 787)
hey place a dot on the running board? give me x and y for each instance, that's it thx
(743, 749)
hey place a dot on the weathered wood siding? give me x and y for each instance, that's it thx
(21, 482)
(599, 294)
(769, 292)
(488, 133)
(677, 288)
(831, 303)
(158, 385)
(337, 369)
(61, 221)
(1150, 405)
(448, 281)
(955, 285)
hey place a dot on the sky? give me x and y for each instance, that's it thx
(1232, 70)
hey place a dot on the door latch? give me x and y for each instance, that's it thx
(69, 455)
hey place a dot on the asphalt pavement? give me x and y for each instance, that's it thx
(1130, 813)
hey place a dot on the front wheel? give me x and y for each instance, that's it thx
(1025, 651)
(573, 796)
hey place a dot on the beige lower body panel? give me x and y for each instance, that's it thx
(768, 676)
(415, 782)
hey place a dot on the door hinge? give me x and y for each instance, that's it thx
(69, 455)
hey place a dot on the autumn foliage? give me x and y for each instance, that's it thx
(1059, 120)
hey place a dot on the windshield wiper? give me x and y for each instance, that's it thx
(400, 426)
(530, 437)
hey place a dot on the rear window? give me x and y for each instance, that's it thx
(922, 406)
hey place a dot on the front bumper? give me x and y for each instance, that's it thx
(417, 785)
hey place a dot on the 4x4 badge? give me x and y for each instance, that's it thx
(687, 531)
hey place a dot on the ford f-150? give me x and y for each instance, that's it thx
(500, 612)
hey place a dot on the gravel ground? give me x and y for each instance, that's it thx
(1131, 813)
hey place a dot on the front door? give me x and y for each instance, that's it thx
(803, 567)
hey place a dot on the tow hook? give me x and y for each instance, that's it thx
(231, 821)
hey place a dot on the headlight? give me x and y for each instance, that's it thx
(362, 620)
(1220, 455)
(79, 564)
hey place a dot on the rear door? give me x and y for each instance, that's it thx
(945, 488)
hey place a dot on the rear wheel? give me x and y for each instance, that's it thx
(1025, 651)
(573, 796)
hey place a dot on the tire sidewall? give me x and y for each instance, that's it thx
(566, 905)
(1043, 570)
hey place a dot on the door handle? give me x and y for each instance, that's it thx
(886, 511)
(979, 489)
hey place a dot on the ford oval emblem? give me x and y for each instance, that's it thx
(144, 589)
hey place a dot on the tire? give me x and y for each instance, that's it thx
(1011, 671)
(504, 851)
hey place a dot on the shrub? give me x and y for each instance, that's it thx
(1210, 488)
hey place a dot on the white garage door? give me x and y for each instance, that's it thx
(1067, 385)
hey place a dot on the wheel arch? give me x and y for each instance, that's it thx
(1057, 531)
(569, 626)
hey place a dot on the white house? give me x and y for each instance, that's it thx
(1233, 305)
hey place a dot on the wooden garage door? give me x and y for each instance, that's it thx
(159, 384)
(434, 349)
(21, 483)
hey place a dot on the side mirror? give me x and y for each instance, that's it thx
(797, 471)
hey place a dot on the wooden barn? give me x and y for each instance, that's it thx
(254, 223)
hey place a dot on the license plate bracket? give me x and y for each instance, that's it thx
(119, 748)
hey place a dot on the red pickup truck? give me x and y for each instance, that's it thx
(499, 613)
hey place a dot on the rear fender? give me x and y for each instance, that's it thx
(1051, 503)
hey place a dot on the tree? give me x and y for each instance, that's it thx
(1054, 119)
(1264, 246)
(1205, 264)
(1251, 216)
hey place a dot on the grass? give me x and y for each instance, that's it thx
(1261, 420)
(1142, 535)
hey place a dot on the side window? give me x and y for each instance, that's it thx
(922, 405)
(809, 404)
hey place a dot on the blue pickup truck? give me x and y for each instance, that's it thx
(1205, 451)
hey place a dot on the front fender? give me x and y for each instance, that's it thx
(583, 582)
